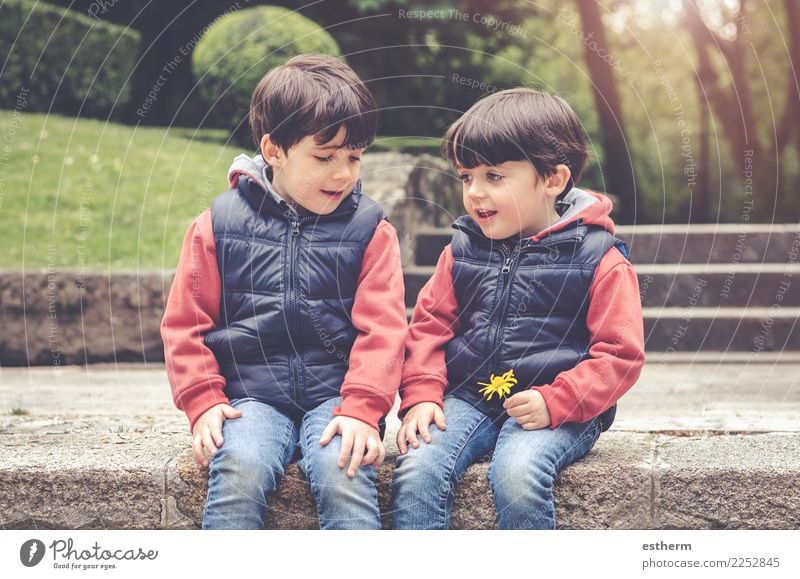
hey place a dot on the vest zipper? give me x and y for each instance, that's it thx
(293, 244)
(505, 296)
(507, 272)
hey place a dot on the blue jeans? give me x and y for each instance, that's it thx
(524, 467)
(257, 449)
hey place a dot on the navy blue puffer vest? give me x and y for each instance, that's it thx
(522, 307)
(288, 285)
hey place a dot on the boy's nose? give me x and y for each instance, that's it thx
(474, 191)
(345, 172)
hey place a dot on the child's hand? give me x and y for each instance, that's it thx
(357, 437)
(529, 409)
(207, 432)
(417, 419)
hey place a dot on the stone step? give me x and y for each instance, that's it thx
(698, 391)
(62, 317)
(694, 446)
(628, 481)
(750, 332)
(722, 329)
(684, 285)
(652, 244)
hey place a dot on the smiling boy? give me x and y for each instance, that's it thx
(530, 329)
(285, 324)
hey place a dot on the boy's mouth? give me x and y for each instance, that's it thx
(332, 193)
(485, 214)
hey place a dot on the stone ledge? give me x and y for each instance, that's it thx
(630, 480)
(728, 244)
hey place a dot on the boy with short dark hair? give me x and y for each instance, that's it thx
(531, 327)
(285, 324)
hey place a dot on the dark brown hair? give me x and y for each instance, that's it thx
(313, 94)
(519, 124)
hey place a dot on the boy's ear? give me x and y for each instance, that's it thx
(556, 182)
(271, 152)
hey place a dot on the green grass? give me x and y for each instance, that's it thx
(86, 193)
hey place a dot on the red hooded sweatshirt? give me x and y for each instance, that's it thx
(614, 321)
(193, 308)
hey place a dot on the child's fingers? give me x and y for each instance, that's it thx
(329, 432)
(372, 451)
(411, 433)
(381, 455)
(231, 412)
(522, 419)
(216, 434)
(530, 421)
(208, 442)
(197, 451)
(347, 447)
(401, 439)
(438, 417)
(516, 411)
(512, 401)
(358, 454)
(423, 430)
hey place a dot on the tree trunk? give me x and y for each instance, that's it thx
(618, 166)
(701, 206)
(735, 110)
(789, 127)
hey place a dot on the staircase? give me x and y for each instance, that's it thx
(709, 292)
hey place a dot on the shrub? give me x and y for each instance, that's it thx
(239, 48)
(61, 57)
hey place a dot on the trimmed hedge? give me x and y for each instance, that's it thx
(239, 48)
(58, 55)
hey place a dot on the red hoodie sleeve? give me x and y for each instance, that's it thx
(616, 347)
(379, 315)
(433, 325)
(192, 310)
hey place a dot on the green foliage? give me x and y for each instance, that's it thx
(88, 194)
(62, 61)
(655, 68)
(427, 61)
(239, 48)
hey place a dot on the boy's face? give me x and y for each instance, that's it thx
(510, 199)
(317, 177)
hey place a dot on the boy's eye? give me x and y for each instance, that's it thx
(327, 159)
(464, 177)
(493, 176)
(355, 159)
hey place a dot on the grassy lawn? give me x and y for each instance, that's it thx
(86, 193)
(101, 195)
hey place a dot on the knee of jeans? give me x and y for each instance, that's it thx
(245, 469)
(514, 474)
(331, 483)
(322, 463)
(422, 467)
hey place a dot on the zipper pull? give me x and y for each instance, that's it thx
(510, 258)
(295, 228)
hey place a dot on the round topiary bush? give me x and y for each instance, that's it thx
(239, 48)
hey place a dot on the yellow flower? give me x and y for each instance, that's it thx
(500, 385)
